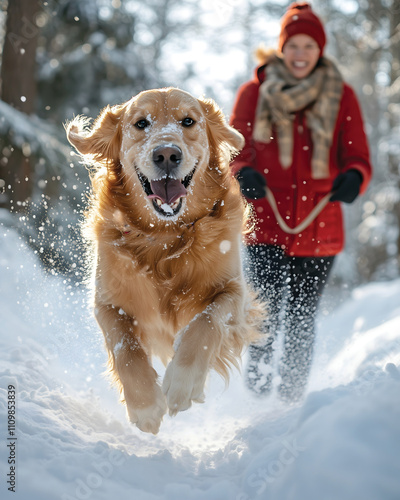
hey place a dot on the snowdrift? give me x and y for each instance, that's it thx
(72, 440)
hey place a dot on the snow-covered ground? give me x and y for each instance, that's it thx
(73, 441)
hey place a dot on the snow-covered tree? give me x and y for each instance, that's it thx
(98, 52)
(364, 39)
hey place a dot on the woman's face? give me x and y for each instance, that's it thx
(300, 55)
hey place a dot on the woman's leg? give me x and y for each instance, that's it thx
(268, 271)
(308, 280)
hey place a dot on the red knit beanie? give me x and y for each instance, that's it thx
(299, 18)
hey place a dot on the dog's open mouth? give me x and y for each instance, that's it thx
(167, 193)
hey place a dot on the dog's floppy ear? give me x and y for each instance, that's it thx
(102, 141)
(220, 135)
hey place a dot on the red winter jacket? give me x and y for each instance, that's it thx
(296, 192)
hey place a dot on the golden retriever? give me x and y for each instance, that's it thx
(166, 218)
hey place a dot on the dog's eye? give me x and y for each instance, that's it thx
(141, 124)
(187, 122)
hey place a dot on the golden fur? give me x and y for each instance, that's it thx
(166, 285)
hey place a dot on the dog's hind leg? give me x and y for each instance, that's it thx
(130, 368)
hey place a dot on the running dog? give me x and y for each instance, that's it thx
(166, 220)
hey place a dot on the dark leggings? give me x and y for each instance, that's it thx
(291, 287)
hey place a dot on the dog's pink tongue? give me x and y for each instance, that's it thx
(168, 190)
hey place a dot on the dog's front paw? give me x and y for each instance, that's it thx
(182, 385)
(149, 419)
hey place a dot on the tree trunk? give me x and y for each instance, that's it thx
(394, 114)
(18, 88)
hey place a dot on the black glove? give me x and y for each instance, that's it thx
(346, 186)
(252, 183)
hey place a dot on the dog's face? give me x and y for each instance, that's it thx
(165, 141)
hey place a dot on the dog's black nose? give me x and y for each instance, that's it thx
(167, 157)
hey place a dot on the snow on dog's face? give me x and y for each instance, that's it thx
(165, 141)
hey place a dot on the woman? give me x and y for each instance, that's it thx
(304, 139)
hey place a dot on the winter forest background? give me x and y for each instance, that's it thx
(61, 58)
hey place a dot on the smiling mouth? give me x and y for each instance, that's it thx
(300, 64)
(166, 193)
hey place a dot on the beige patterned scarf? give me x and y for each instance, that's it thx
(281, 95)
